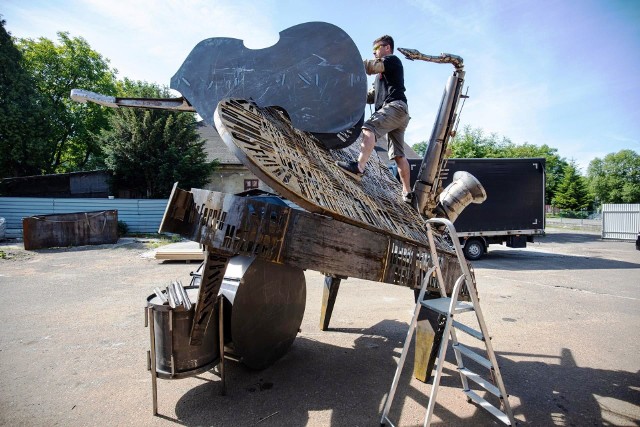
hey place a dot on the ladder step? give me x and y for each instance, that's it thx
(488, 406)
(464, 328)
(441, 305)
(481, 382)
(386, 421)
(473, 355)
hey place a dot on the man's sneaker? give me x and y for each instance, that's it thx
(408, 197)
(351, 168)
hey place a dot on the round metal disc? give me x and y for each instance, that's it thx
(267, 312)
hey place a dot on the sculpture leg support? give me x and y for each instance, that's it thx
(429, 330)
(329, 294)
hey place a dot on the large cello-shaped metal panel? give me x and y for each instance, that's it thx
(314, 71)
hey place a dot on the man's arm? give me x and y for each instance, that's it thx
(373, 66)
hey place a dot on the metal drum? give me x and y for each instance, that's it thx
(263, 308)
(171, 329)
(267, 306)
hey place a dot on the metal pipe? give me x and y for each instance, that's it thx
(154, 378)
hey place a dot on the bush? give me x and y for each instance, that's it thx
(123, 228)
(567, 213)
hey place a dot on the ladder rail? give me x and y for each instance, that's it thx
(448, 331)
(449, 307)
(456, 291)
(474, 298)
(405, 348)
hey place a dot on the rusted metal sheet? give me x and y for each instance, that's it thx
(72, 229)
(210, 283)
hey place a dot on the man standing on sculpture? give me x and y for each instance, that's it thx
(391, 115)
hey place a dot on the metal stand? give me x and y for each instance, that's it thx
(151, 356)
(449, 307)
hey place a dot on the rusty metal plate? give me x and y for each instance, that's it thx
(210, 283)
(300, 168)
(314, 72)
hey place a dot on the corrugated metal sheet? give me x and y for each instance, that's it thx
(620, 221)
(141, 215)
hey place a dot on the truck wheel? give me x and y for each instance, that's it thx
(473, 249)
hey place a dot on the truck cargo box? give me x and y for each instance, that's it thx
(515, 194)
(514, 210)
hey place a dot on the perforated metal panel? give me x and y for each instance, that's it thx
(298, 167)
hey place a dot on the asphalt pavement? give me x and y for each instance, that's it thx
(563, 314)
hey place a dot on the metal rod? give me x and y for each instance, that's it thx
(405, 348)
(173, 363)
(154, 379)
(223, 389)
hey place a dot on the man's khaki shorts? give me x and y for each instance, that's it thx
(391, 120)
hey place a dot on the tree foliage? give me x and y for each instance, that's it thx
(474, 144)
(70, 142)
(149, 150)
(23, 113)
(616, 178)
(572, 192)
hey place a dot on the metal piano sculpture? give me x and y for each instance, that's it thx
(288, 113)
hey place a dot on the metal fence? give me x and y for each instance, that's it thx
(140, 215)
(620, 221)
(594, 225)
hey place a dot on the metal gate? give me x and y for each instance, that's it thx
(620, 221)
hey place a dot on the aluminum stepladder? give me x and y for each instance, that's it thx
(449, 307)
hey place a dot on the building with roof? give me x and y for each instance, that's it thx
(231, 176)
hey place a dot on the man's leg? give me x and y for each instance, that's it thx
(404, 170)
(366, 148)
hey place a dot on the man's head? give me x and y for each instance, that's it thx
(383, 46)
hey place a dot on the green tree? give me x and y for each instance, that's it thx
(149, 150)
(23, 124)
(56, 69)
(473, 143)
(572, 192)
(420, 147)
(616, 179)
(470, 144)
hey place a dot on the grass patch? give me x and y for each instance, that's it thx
(153, 241)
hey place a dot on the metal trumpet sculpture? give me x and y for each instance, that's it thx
(288, 113)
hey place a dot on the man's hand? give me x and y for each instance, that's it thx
(371, 95)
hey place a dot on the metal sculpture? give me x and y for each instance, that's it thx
(340, 228)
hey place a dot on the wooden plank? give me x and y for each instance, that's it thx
(185, 251)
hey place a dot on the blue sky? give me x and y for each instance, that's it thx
(562, 73)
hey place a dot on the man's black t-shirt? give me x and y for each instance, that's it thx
(389, 86)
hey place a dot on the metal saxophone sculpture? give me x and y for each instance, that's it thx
(431, 200)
